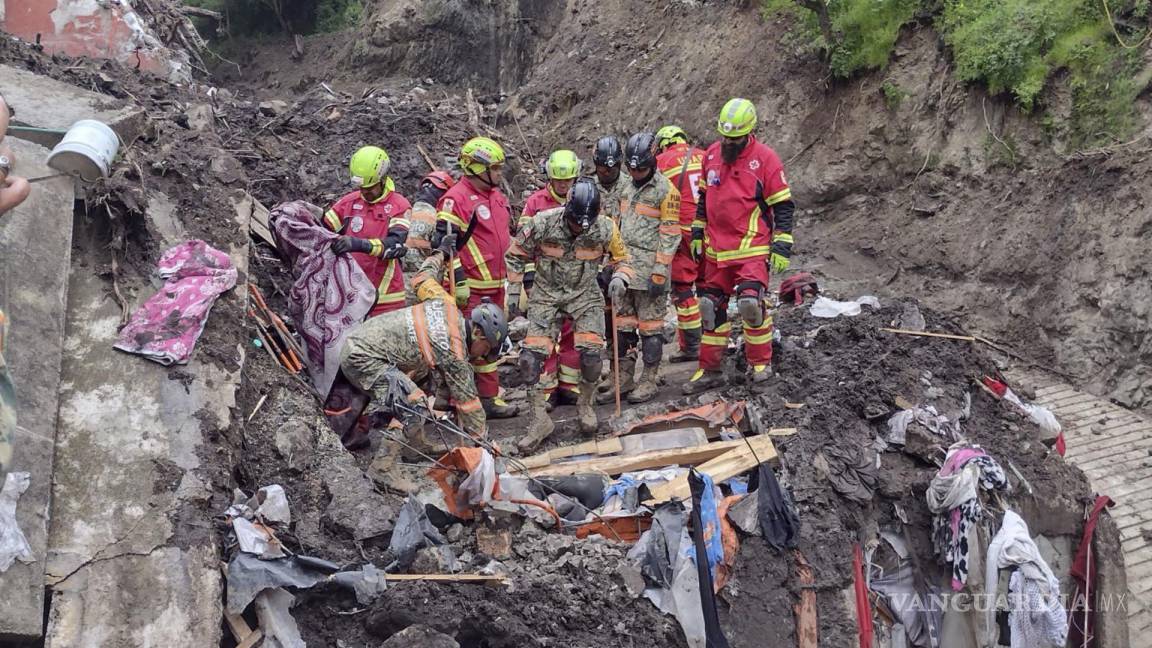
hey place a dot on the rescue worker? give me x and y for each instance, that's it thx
(422, 229)
(373, 224)
(562, 369)
(650, 225)
(478, 214)
(743, 222)
(681, 163)
(385, 355)
(568, 245)
(607, 160)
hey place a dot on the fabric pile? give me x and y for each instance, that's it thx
(953, 496)
(166, 327)
(1036, 615)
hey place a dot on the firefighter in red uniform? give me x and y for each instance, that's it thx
(561, 373)
(373, 223)
(681, 163)
(478, 213)
(743, 222)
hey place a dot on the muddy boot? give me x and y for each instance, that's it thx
(691, 350)
(567, 396)
(647, 386)
(386, 471)
(627, 382)
(589, 424)
(704, 380)
(540, 425)
(496, 408)
(760, 374)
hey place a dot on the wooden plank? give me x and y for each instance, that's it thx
(947, 336)
(238, 626)
(252, 639)
(453, 578)
(644, 461)
(599, 447)
(734, 462)
(259, 222)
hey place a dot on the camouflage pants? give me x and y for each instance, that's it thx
(388, 387)
(7, 403)
(545, 316)
(642, 313)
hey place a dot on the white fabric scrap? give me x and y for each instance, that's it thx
(824, 307)
(13, 545)
(935, 422)
(476, 489)
(1041, 416)
(1013, 546)
(256, 540)
(273, 504)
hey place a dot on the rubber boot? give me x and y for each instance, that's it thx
(648, 385)
(703, 381)
(627, 382)
(691, 350)
(540, 426)
(496, 408)
(589, 424)
(760, 374)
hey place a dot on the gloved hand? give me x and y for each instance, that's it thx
(657, 285)
(447, 244)
(393, 248)
(781, 253)
(617, 288)
(346, 244)
(463, 293)
(696, 247)
(603, 278)
(780, 262)
(513, 300)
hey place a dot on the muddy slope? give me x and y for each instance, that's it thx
(1042, 250)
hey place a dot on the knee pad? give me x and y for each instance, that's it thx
(652, 349)
(531, 366)
(628, 341)
(591, 364)
(713, 312)
(751, 309)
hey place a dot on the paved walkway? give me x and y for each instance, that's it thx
(1113, 446)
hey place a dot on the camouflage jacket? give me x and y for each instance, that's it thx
(610, 197)
(425, 337)
(650, 224)
(566, 264)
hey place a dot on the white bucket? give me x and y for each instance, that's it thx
(86, 151)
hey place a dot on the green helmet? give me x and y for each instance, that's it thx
(480, 153)
(669, 135)
(737, 118)
(562, 165)
(369, 166)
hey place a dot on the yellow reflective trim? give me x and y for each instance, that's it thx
(403, 222)
(753, 229)
(783, 237)
(453, 219)
(383, 296)
(758, 339)
(690, 310)
(376, 247)
(481, 283)
(732, 255)
(478, 258)
(714, 340)
(486, 368)
(779, 196)
(333, 220)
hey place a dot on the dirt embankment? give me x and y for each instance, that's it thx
(946, 193)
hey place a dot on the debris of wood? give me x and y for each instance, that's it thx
(715, 414)
(616, 465)
(948, 336)
(635, 444)
(609, 446)
(427, 158)
(742, 456)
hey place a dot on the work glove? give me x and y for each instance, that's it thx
(657, 285)
(514, 309)
(393, 248)
(463, 293)
(346, 244)
(603, 278)
(696, 247)
(447, 244)
(781, 256)
(617, 288)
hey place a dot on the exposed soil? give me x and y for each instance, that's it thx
(858, 172)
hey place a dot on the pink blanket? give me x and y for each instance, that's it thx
(166, 327)
(331, 294)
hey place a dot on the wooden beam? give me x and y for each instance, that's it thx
(259, 222)
(628, 463)
(238, 626)
(453, 578)
(252, 639)
(737, 460)
(948, 336)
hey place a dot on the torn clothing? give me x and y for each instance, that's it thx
(954, 499)
(1036, 615)
(430, 335)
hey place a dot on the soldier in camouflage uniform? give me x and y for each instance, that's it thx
(386, 354)
(650, 224)
(421, 231)
(568, 245)
(607, 159)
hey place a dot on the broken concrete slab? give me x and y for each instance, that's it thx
(33, 290)
(46, 103)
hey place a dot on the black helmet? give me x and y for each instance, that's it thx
(640, 153)
(583, 204)
(489, 318)
(607, 152)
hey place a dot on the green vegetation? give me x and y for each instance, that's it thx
(1012, 46)
(253, 17)
(893, 94)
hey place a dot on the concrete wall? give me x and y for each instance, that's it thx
(95, 28)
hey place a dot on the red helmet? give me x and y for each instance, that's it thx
(441, 179)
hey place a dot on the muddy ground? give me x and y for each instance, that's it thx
(565, 592)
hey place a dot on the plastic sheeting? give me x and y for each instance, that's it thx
(827, 308)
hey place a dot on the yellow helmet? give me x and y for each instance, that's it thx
(562, 165)
(737, 118)
(669, 135)
(478, 154)
(369, 166)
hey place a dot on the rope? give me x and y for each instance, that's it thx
(1119, 40)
